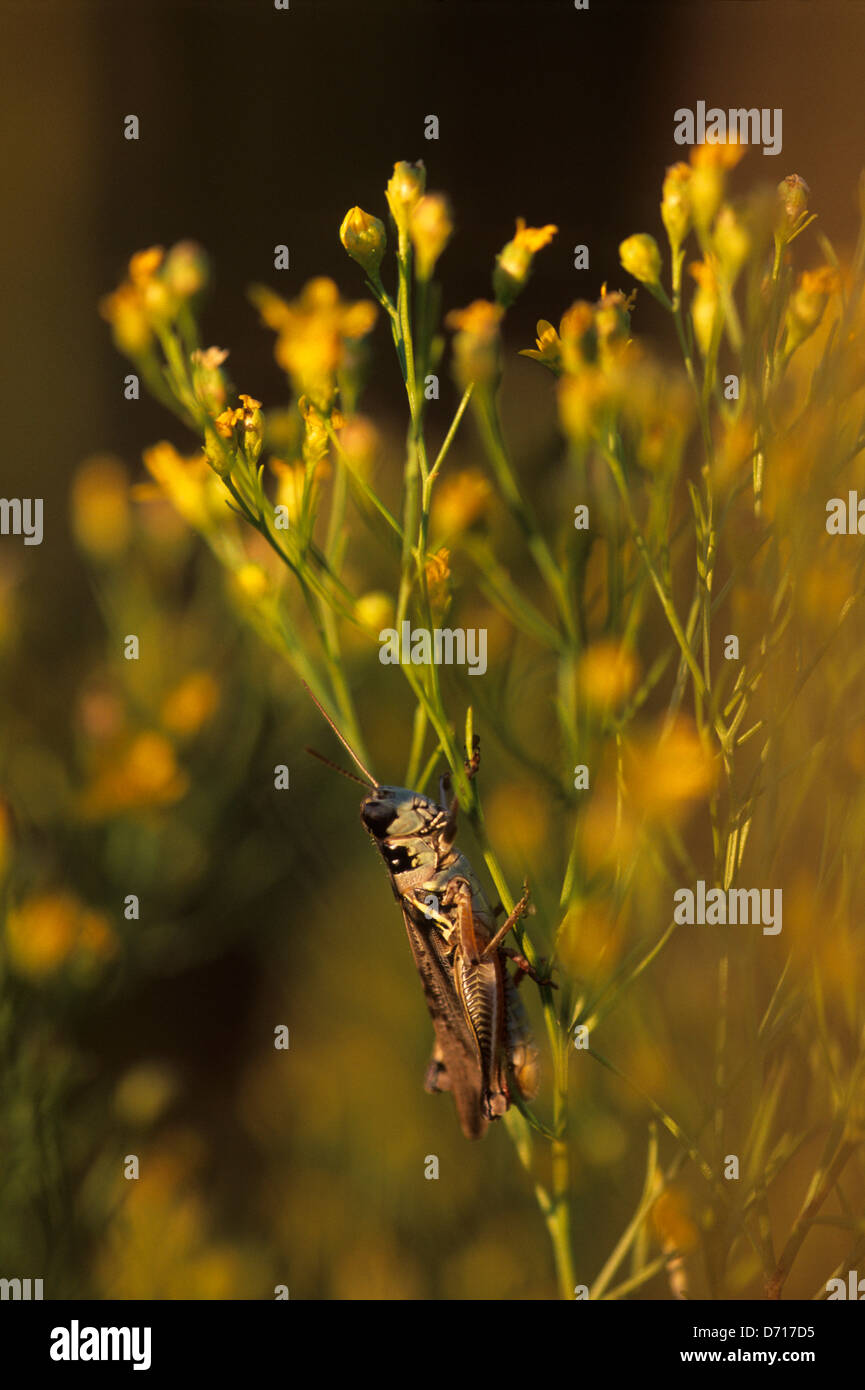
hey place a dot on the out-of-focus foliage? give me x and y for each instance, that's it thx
(629, 750)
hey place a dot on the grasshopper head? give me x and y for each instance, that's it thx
(397, 813)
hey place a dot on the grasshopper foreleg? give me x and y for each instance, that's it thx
(519, 911)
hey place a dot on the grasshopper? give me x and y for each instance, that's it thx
(483, 1041)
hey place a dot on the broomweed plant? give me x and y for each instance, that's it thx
(687, 629)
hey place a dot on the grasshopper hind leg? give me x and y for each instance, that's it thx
(436, 1076)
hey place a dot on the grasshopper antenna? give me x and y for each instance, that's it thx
(336, 767)
(345, 743)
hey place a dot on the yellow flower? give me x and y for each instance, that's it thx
(124, 310)
(141, 775)
(514, 261)
(607, 674)
(573, 345)
(144, 265)
(101, 520)
(476, 346)
(226, 421)
(315, 332)
(191, 703)
(188, 484)
(49, 929)
(549, 347)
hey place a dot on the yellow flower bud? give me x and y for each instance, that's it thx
(252, 422)
(404, 191)
(641, 258)
(676, 203)
(792, 201)
(365, 239)
(130, 325)
(704, 304)
(208, 381)
(732, 243)
(431, 228)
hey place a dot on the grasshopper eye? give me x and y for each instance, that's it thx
(377, 816)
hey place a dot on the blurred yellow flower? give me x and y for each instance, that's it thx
(514, 261)
(665, 776)
(252, 581)
(144, 1092)
(476, 345)
(676, 203)
(313, 334)
(360, 443)
(460, 500)
(101, 520)
(375, 611)
(590, 940)
(191, 703)
(189, 484)
(672, 1222)
(808, 303)
(130, 324)
(431, 228)
(142, 774)
(143, 265)
(518, 820)
(49, 928)
(404, 191)
(607, 674)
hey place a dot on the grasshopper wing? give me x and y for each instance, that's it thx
(456, 1065)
